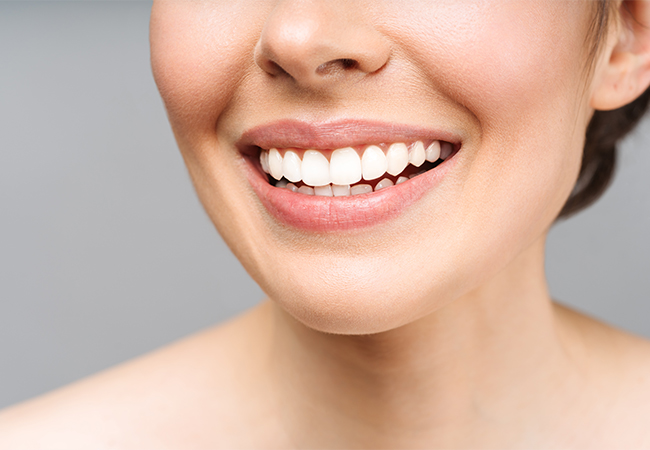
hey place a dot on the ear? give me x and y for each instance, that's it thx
(623, 71)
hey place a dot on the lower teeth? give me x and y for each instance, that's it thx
(334, 190)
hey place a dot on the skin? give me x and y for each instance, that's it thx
(433, 329)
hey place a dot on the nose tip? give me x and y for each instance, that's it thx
(316, 43)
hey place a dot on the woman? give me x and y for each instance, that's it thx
(387, 172)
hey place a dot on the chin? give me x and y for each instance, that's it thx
(349, 316)
(354, 304)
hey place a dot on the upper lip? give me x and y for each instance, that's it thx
(290, 133)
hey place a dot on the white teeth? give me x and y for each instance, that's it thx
(323, 191)
(264, 161)
(315, 168)
(383, 184)
(360, 189)
(340, 190)
(417, 155)
(345, 166)
(397, 157)
(433, 151)
(445, 150)
(374, 163)
(275, 163)
(291, 166)
(338, 176)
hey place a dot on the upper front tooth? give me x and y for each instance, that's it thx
(291, 166)
(417, 155)
(345, 166)
(433, 151)
(315, 168)
(398, 158)
(374, 163)
(275, 163)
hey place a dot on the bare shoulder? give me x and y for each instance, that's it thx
(161, 400)
(619, 366)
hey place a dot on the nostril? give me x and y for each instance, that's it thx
(268, 65)
(337, 65)
(349, 63)
(276, 69)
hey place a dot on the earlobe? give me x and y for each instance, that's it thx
(623, 73)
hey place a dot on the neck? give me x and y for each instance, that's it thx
(471, 370)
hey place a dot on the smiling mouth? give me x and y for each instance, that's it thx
(347, 174)
(351, 170)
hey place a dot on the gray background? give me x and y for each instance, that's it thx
(105, 252)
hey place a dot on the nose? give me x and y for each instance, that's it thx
(320, 42)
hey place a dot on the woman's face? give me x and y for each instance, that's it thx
(503, 82)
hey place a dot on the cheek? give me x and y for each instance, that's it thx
(496, 56)
(198, 60)
(529, 97)
(200, 52)
(519, 70)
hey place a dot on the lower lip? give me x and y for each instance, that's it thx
(326, 214)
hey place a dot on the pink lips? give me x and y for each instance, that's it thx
(327, 214)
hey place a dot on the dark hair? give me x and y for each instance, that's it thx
(604, 131)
